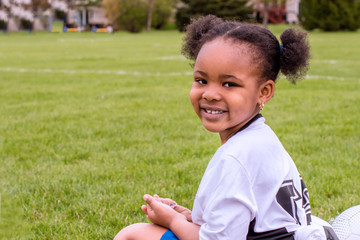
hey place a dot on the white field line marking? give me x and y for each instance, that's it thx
(334, 61)
(118, 72)
(327, 78)
(85, 40)
(136, 73)
(175, 57)
(330, 78)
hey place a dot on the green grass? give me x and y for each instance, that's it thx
(90, 122)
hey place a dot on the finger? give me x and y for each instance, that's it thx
(177, 208)
(156, 196)
(148, 199)
(144, 209)
(168, 201)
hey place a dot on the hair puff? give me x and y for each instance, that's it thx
(295, 54)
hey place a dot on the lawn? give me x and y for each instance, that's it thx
(90, 122)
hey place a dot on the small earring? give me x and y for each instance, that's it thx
(261, 106)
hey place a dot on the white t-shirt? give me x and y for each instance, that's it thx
(251, 189)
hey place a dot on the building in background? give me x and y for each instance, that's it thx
(292, 11)
(278, 11)
(17, 15)
(82, 15)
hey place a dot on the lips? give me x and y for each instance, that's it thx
(213, 111)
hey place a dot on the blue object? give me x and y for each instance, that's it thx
(168, 235)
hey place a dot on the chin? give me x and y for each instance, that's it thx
(212, 128)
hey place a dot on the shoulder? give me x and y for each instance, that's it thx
(258, 150)
(256, 139)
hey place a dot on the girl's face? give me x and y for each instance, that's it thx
(225, 93)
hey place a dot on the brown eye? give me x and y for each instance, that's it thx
(201, 81)
(230, 84)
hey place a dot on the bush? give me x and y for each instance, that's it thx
(332, 15)
(25, 23)
(228, 9)
(59, 15)
(112, 9)
(2, 24)
(133, 14)
(182, 18)
(161, 14)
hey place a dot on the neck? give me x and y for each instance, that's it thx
(224, 137)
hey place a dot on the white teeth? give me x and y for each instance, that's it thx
(213, 111)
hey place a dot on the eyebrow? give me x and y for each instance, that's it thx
(201, 73)
(226, 76)
(222, 76)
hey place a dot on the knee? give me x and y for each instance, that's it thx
(128, 233)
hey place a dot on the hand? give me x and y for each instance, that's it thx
(183, 211)
(180, 209)
(159, 213)
(166, 201)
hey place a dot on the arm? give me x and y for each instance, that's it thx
(163, 215)
(224, 205)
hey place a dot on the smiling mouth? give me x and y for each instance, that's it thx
(213, 111)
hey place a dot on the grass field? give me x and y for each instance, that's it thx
(90, 122)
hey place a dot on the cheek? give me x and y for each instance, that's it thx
(193, 96)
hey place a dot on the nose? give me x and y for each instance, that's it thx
(211, 93)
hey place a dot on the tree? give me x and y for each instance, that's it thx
(112, 9)
(330, 15)
(132, 15)
(150, 13)
(159, 12)
(228, 9)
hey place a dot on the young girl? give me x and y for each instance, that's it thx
(251, 188)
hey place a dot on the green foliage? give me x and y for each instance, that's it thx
(229, 9)
(112, 9)
(161, 13)
(132, 16)
(84, 3)
(182, 18)
(25, 24)
(59, 15)
(331, 15)
(88, 127)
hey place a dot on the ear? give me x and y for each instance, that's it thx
(266, 91)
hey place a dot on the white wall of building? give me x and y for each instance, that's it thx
(292, 11)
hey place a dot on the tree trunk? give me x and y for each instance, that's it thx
(266, 14)
(150, 13)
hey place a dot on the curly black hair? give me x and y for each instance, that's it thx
(291, 57)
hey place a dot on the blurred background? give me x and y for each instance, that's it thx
(137, 15)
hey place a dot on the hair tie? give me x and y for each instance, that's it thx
(281, 48)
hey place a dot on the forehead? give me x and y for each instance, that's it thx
(228, 54)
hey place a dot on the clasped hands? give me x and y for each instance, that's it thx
(164, 211)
